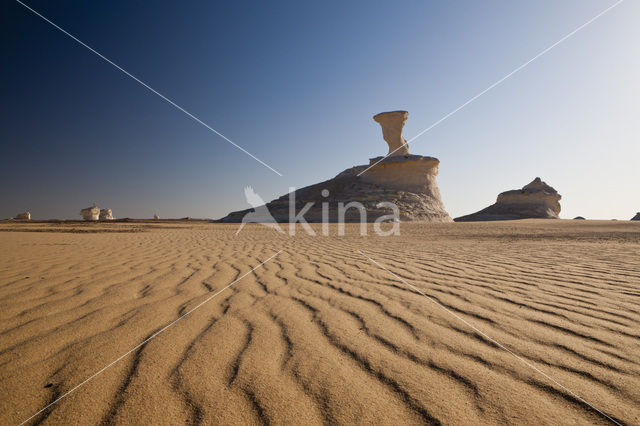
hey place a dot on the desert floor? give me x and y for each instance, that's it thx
(523, 322)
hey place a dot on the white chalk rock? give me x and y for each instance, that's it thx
(90, 213)
(405, 180)
(23, 216)
(392, 123)
(106, 214)
(536, 200)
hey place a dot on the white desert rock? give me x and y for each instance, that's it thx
(412, 173)
(392, 123)
(23, 216)
(535, 200)
(106, 214)
(90, 213)
(408, 181)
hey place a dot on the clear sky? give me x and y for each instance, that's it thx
(296, 84)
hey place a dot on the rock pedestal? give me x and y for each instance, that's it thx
(413, 173)
(536, 200)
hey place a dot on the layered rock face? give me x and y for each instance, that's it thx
(636, 217)
(535, 200)
(412, 173)
(405, 180)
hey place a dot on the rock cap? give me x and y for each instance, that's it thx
(392, 123)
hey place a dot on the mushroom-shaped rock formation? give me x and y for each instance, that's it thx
(156, 217)
(90, 213)
(535, 200)
(23, 216)
(408, 181)
(636, 217)
(392, 123)
(106, 214)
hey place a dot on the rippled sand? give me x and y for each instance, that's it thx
(320, 334)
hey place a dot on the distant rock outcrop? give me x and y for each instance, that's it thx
(636, 217)
(535, 200)
(156, 217)
(407, 181)
(579, 218)
(90, 213)
(106, 214)
(23, 216)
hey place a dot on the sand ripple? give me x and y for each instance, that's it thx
(319, 334)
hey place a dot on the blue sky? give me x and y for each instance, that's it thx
(296, 84)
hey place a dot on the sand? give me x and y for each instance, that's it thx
(320, 334)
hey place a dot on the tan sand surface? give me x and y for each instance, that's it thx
(319, 334)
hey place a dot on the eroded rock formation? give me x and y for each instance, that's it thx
(23, 216)
(90, 213)
(636, 217)
(106, 214)
(408, 181)
(156, 217)
(535, 200)
(392, 123)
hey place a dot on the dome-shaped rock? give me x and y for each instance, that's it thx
(535, 200)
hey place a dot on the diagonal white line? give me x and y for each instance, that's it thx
(590, 21)
(144, 342)
(153, 90)
(489, 338)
